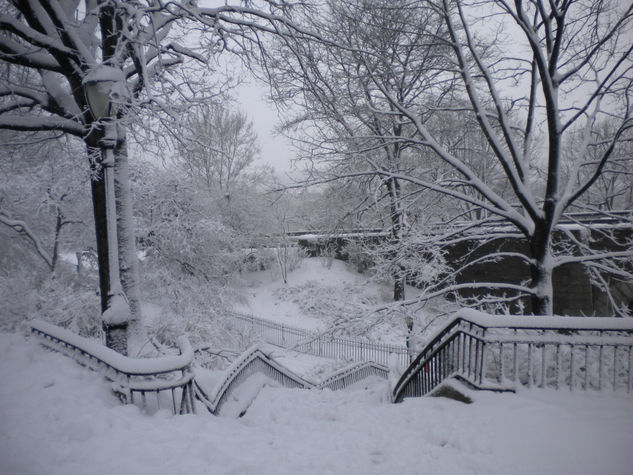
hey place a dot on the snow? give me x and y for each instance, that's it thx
(515, 321)
(104, 73)
(124, 364)
(118, 311)
(57, 417)
(266, 286)
(321, 294)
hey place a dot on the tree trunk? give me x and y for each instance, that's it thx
(541, 272)
(126, 238)
(397, 223)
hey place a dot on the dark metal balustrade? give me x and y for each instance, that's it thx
(134, 380)
(504, 353)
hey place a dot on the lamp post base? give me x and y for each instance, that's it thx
(116, 337)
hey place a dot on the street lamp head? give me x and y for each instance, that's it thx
(104, 87)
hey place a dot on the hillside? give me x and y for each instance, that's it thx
(324, 293)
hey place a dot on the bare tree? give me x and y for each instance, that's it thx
(341, 110)
(49, 49)
(529, 73)
(39, 199)
(217, 146)
(613, 190)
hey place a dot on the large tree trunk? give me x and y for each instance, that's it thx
(541, 272)
(126, 238)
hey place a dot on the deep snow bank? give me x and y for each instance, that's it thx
(59, 418)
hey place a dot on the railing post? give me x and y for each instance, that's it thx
(571, 367)
(529, 368)
(558, 365)
(501, 364)
(630, 378)
(543, 365)
(615, 364)
(482, 369)
(600, 369)
(470, 355)
(586, 385)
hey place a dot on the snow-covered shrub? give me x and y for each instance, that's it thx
(61, 297)
(44, 210)
(71, 302)
(357, 256)
(258, 259)
(191, 259)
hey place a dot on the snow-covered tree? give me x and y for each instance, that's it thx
(43, 215)
(340, 109)
(217, 146)
(50, 49)
(40, 200)
(528, 74)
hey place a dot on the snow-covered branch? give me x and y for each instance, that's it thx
(23, 229)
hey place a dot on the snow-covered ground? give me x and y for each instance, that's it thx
(324, 293)
(57, 417)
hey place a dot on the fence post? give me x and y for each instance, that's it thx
(630, 378)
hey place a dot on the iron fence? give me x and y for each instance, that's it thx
(319, 344)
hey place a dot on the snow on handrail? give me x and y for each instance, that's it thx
(167, 374)
(240, 368)
(539, 346)
(121, 363)
(544, 322)
(352, 374)
(256, 360)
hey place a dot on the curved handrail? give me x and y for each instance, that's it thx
(239, 369)
(353, 374)
(131, 375)
(123, 364)
(446, 353)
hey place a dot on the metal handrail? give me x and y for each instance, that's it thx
(315, 343)
(130, 376)
(252, 360)
(574, 352)
(353, 374)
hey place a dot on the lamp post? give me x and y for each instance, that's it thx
(105, 89)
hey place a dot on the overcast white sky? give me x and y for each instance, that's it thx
(276, 150)
(251, 99)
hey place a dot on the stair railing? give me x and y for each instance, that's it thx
(353, 374)
(133, 379)
(504, 353)
(254, 360)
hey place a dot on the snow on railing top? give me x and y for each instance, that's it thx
(222, 389)
(543, 322)
(353, 369)
(119, 362)
(493, 330)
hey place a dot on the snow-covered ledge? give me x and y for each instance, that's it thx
(535, 321)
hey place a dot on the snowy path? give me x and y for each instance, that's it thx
(59, 418)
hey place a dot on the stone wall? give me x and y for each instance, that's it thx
(573, 292)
